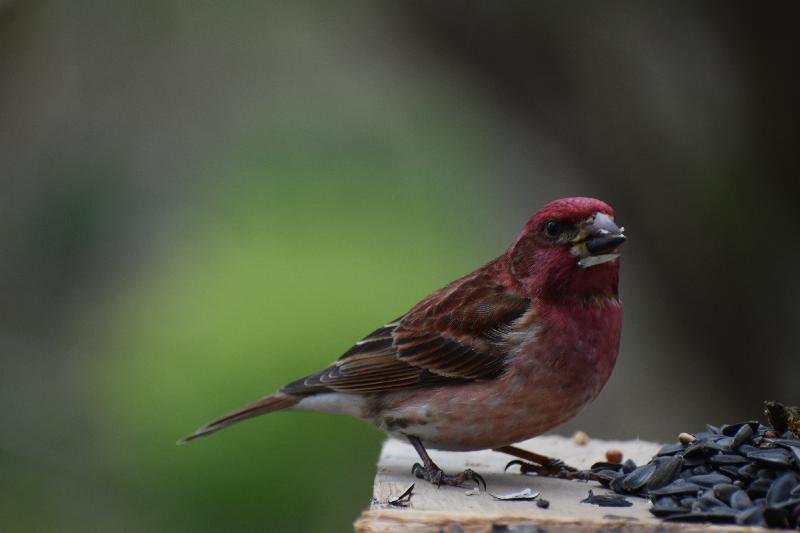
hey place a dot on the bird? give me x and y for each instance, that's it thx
(498, 356)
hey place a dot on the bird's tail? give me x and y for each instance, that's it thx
(271, 403)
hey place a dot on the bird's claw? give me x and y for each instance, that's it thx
(437, 477)
(551, 468)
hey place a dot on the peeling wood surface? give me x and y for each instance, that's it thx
(452, 510)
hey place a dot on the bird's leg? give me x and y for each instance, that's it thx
(541, 465)
(433, 474)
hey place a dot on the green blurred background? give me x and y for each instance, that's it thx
(202, 201)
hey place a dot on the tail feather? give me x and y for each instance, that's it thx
(271, 403)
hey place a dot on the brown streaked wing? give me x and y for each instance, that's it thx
(449, 339)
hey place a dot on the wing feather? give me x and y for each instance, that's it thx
(454, 335)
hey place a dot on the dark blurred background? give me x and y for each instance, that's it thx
(202, 201)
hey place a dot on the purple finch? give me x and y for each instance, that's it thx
(498, 356)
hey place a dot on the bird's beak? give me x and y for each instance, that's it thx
(597, 241)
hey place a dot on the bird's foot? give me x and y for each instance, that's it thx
(434, 475)
(550, 468)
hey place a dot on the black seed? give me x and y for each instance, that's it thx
(742, 436)
(753, 516)
(688, 501)
(795, 451)
(628, 466)
(616, 483)
(729, 470)
(749, 471)
(605, 477)
(728, 458)
(724, 491)
(694, 482)
(708, 501)
(638, 478)
(705, 447)
(663, 512)
(666, 471)
(775, 517)
(697, 460)
(709, 480)
(739, 500)
(671, 449)
(602, 465)
(781, 489)
(676, 488)
(666, 501)
(786, 443)
(759, 487)
(725, 442)
(730, 430)
(773, 456)
(792, 503)
(542, 503)
(606, 500)
(744, 449)
(766, 473)
(705, 435)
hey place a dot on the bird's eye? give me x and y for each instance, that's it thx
(552, 229)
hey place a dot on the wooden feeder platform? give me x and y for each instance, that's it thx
(459, 510)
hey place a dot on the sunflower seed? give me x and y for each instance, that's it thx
(604, 465)
(709, 480)
(638, 478)
(688, 501)
(749, 471)
(781, 489)
(728, 458)
(606, 500)
(754, 516)
(666, 471)
(759, 487)
(724, 491)
(776, 517)
(773, 456)
(671, 449)
(666, 506)
(739, 500)
(605, 477)
(729, 470)
(676, 488)
(628, 466)
(730, 430)
(705, 447)
(708, 502)
(745, 473)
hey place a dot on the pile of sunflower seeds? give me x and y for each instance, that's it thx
(745, 473)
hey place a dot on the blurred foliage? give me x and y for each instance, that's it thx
(272, 282)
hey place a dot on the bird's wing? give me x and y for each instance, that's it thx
(456, 334)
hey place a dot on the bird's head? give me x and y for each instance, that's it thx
(568, 249)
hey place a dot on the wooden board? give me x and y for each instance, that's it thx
(452, 510)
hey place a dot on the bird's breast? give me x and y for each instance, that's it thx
(571, 348)
(558, 360)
